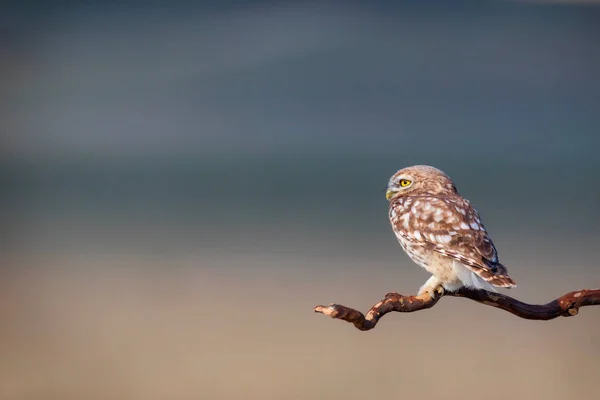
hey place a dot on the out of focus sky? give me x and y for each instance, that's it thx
(476, 80)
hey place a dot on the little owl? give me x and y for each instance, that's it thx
(442, 232)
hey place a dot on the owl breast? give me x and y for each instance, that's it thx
(436, 264)
(405, 223)
(416, 253)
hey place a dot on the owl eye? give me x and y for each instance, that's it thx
(405, 182)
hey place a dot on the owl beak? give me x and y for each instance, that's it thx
(389, 193)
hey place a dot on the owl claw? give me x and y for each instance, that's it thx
(432, 287)
(429, 291)
(433, 292)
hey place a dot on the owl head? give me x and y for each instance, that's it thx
(419, 180)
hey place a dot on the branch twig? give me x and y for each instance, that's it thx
(566, 305)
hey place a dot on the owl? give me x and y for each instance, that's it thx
(441, 232)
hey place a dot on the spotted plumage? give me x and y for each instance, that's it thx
(442, 232)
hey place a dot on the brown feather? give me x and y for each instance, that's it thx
(469, 241)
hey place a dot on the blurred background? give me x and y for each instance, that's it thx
(182, 182)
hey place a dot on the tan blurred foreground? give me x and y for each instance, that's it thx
(243, 328)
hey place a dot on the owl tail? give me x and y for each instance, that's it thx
(497, 275)
(479, 277)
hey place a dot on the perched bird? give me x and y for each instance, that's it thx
(442, 232)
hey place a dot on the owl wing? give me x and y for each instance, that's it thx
(452, 227)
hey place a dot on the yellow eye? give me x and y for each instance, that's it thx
(405, 182)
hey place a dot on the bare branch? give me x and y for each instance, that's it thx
(565, 306)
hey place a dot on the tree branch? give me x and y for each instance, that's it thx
(565, 306)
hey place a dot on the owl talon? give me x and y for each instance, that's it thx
(434, 292)
(429, 291)
(432, 287)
